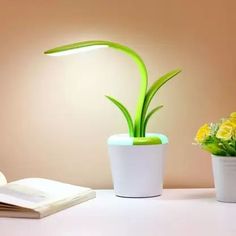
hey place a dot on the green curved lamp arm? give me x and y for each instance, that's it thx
(136, 58)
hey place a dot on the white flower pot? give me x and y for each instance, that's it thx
(224, 171)
(137, 170)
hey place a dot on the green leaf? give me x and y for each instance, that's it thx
(214, 146)
(214, 149)
(153, 90)
(149, 116)
(125, 113)
(230, 150)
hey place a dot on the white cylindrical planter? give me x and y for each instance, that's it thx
(224, 171)
(137, 170)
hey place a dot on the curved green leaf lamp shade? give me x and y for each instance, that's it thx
(138, 128)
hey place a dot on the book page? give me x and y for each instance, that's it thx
(36, 192)
(3, 180)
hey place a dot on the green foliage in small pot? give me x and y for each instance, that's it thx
(219, 138)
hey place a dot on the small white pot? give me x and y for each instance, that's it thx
(224, 171)
(137, 170)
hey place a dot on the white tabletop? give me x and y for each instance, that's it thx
(187, 212)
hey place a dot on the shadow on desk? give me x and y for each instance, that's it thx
(194, 194)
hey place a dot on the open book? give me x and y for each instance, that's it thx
(37, 197)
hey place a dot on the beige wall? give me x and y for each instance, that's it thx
(54, 119)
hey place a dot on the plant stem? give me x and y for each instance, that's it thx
(143, 85)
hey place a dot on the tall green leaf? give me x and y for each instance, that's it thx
(125, 113)
(149, 116)
(153, 90)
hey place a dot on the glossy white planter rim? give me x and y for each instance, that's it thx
(224, 172)
(125, 140)
(137, 170)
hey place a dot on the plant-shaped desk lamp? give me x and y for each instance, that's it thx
(137, 129)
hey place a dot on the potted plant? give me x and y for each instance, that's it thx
(137, 157)
(220, 140)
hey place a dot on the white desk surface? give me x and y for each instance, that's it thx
(177, 212)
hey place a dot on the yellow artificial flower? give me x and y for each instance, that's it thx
(227, 130)
(233, 115)
(203, 132)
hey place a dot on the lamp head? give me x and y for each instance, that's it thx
(76, 48)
